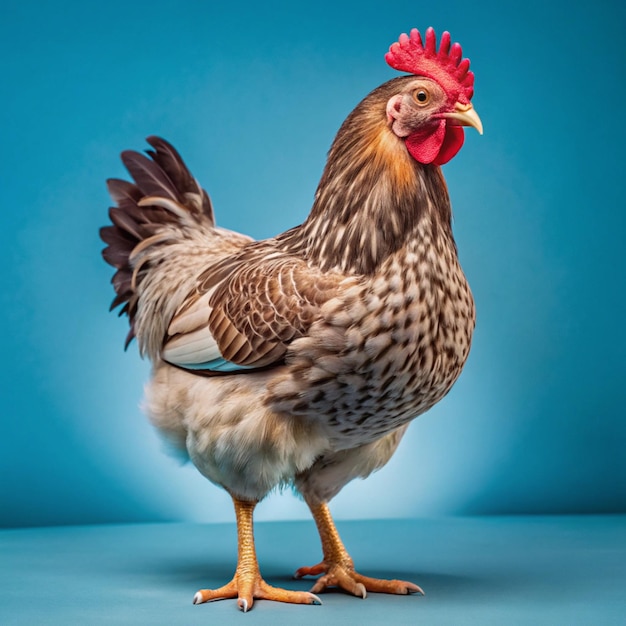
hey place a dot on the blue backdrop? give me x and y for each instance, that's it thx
(251, 94)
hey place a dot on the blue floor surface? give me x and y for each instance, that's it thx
(483, 571)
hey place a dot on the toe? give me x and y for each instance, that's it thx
(322, 583)
(207, 595)
(267, 592)
(314, 570)
(378, 585)
(349, 582)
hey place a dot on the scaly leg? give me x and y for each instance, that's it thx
(338, 568)
(247, 583)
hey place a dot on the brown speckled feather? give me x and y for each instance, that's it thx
(251, 306)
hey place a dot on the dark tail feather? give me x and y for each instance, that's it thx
(167, 157)
(150, 178)
(163, 175)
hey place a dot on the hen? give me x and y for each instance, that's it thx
(300, 360)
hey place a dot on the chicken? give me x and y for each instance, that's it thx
(300, 360)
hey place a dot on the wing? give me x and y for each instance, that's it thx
(246, 310)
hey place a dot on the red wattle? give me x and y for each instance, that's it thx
(455, 136)
(424, 145)
(436, 144)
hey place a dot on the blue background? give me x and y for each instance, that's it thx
(252, 94)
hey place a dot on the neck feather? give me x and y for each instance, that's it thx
(372, 197)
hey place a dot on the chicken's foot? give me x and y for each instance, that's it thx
(247, 584)
(337, 567)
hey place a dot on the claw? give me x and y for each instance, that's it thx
(413, 588)
(363, 591)
(243, 604)
(197, 599)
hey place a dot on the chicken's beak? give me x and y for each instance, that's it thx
(465, 115)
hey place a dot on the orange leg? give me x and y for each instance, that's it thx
(247, 584)
(337, 568)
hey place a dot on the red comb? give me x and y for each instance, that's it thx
(445, 66)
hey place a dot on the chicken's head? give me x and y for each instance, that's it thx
(431, 109)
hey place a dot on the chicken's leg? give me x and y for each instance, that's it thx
(247, 583)
(337, 566)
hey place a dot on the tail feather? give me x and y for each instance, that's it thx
(167, 157)
(125, 194)
(150, 178)
(162, 176)
(128, 222)
(120, 244)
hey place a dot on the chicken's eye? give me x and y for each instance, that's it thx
(421, 96)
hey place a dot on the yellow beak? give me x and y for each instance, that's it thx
(465, 115)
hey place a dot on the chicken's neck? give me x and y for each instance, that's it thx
(373, 200)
